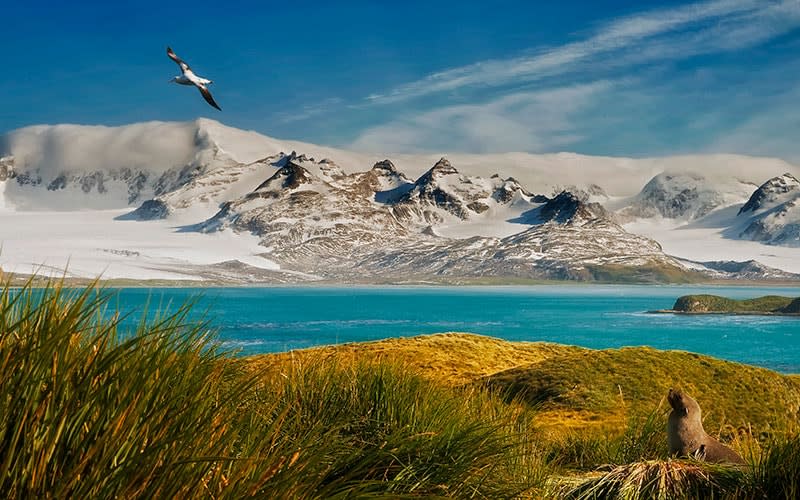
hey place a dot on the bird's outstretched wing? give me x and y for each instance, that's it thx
(207, 97)
(174, 57)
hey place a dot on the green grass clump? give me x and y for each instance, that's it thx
(715, 303)
(642, 439)
(87, 412)
(776, 473)
(394, 433)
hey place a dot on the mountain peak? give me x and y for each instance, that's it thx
(290, 176)
(770, 192)
(440, 169)
(388, 175)
(567, 207)
(385, 167)
(443, 167)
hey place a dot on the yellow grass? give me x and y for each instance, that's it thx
(449, 358)
(584, 389)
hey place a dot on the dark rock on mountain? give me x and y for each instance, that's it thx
(770, 191)
(568, 208)
(290, 176)
(772, 215)
(149, 210)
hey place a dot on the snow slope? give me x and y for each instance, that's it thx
(699, 220)
(706, 242)
(94, 242)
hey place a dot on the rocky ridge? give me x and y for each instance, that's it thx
(313, 218)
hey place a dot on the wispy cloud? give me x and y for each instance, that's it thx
(611, 90)
(522, 121)
(309, 110)
(707, 27)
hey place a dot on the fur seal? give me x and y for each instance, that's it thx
(686, 436)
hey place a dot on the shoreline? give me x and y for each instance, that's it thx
(721, 313)
(21, 279)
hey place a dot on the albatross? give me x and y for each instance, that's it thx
(189, 78)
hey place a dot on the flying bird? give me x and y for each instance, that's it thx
(189, 78)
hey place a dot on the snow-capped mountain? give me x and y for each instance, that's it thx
(96, 167)
(772, 213)
(202, 200)
(296, 212)
(442, 193)
(75, 167)
(686, 196)
(379, 224)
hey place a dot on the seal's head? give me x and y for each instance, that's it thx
(683, 404)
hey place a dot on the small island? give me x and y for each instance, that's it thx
(714, 304)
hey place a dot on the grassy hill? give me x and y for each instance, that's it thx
(612, 385)
(447, 358)
(578, 388)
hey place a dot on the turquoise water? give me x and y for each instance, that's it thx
(258, 320)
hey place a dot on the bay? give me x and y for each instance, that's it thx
(272, 319)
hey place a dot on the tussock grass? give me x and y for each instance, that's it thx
(89, 411)
(391, 432)
(775, 473)
(642, 439)
(662, 480)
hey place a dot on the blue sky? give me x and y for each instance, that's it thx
(622, 78)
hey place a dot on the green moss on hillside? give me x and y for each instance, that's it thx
(793, 307)
(650, 273)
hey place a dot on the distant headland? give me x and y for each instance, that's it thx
(714, 304)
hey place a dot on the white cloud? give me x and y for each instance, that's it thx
(523, 121)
